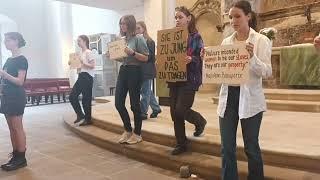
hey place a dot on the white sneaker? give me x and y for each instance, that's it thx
(134, 139)
(124, 137)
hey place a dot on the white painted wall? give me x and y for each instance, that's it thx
(89, 20)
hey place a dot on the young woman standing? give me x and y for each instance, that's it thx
(149, 73)
(84, 83)
(246, 101)
(182, 94)
(13, 99)
(130, 79)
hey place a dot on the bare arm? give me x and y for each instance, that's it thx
(19, 81)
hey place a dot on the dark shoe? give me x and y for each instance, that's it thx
(79, 118)
(19, 161)
(155, 114)
(200, 129)
(12, 156)
(144, 116)
(179, 150)
(86, 123)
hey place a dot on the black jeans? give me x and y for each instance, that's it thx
(82, 86)
(129, 79)
(181, 101)
(250, 132)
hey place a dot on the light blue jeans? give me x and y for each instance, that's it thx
(148, 98)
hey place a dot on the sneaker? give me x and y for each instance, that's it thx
(144, 116)
(199, 129)
(79, 118)
(155, 114)
(134, 139)
(124, 137)
(86, 123)
(179, 150)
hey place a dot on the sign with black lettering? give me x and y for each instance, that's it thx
(116, 49)
(171, 54)
(228, 64)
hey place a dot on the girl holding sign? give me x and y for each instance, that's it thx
(246, 101)
(13, 100)
(182, 93)
(84, 83)
(130, 79)
(149, 73)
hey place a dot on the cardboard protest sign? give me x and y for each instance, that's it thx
(74, 61)
(171, 54)
(116, 49)
(228, 64)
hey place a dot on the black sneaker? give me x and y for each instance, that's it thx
(179, 150)
(19, 161)
(86, 123)
(144, 116)
(155, 114)
(199, 129)
(79, 118)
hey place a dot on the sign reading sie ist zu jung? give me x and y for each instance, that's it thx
(228, 64)
(171, 54)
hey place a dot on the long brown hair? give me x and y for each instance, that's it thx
(145, 31)
(85, 39)
(192, 24)
(245, 6)
(130, 21)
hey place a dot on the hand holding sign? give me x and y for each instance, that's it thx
(249, 48)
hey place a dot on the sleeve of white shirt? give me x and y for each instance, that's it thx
(91, 57)
(260, 63)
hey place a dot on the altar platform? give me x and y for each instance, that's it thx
(289, 139)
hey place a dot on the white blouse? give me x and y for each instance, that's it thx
(252, 99)
(87, 56)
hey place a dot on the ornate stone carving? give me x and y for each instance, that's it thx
(206, 6)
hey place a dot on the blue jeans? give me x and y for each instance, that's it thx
(148, 98)
(250, 132)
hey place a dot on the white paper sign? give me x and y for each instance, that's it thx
(116, 49)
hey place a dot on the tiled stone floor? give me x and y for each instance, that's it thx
(55, 153)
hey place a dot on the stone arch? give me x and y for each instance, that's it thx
(208, 16)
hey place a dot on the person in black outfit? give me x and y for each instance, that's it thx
(84, 83)
(182, 94)
(13, 99)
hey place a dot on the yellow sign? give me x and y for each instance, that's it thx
(116, 49)
(74, 61)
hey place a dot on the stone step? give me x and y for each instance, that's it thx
(292, 94)
(202, 165)
(288, 105)
(210, 146)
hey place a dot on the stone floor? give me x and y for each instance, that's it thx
(55, 153)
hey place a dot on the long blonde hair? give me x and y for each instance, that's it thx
(145, 32)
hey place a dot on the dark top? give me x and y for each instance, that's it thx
(12, 67)
(194, 68)
(149, 68)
